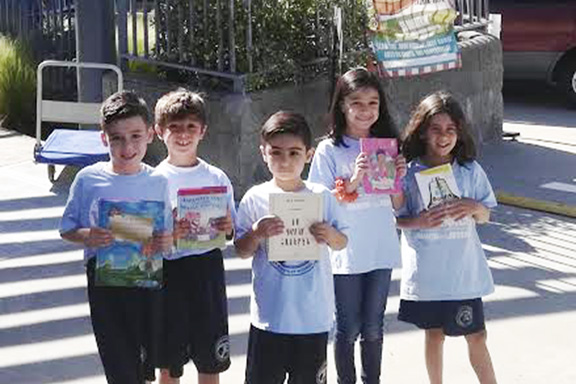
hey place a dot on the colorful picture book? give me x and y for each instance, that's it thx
(437, 185)
(200, 207)
(130, 261)
(381, 176)
(298, 211)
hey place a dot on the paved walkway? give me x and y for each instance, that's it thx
(45, 333)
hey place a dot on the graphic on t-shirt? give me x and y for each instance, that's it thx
(437, 185)
(381, 176)
(130, 261)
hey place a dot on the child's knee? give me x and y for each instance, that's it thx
(477, 337)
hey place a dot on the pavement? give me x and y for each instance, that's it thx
(45, 332)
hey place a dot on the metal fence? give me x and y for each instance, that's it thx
(472, 15)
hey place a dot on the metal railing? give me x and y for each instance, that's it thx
(472, 15)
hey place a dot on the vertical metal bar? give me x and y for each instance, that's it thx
(157, 27)
(191, 25)
(122, 17)
(20, 29)
(134, 22)
(168, 28)
(180, 32)
(232, 38)
(145, 26)
(220, 36)
(71, 32)
(205, 62)
(249, 48)
(61, 28)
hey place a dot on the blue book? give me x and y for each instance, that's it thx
(130, 260)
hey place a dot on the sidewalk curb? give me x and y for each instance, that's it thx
(536, 205)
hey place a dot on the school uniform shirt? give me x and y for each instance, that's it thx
(98, 181)
(294, 297)
(373, 239)
(446, 262)
(199, 176)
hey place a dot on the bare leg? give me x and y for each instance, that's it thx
(204, 378)
(434, 353)
(165, 377)
(480, 357)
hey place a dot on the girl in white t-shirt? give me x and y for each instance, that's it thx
(445, 272)
(363, 269)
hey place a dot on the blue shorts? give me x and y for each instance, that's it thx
(454, 317)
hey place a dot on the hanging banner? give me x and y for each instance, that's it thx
(414, 37)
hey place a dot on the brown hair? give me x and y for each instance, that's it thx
(123, 105)
(285, 122)
(179, 104)
(414, 145)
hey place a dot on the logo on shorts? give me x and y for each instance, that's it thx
(321, 374)
(222, 349)
(465, 316)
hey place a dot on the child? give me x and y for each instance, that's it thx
(362, 271)
(121, 317)
(445, 270)
(292, 302)
(196, 313)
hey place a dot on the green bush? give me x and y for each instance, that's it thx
(17, 86)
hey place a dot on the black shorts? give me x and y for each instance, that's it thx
(455, 317)
(273, 355)
(195, 314)
(126, 325)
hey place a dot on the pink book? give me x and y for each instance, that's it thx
(381, 176)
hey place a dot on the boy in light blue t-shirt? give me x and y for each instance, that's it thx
(292, 303)
(121, 316)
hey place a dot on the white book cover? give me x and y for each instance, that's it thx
(437, 185)
(298, 212)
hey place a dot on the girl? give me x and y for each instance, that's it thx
(362, 270)
(445, 272)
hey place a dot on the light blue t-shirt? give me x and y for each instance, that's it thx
(373, 240)
(198, 176)
(98, 181)
(447, 262)
(288, 297)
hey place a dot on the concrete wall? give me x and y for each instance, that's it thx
(232, 140)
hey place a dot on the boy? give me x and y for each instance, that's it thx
(121, 317)
(196, 312)
(292, 303)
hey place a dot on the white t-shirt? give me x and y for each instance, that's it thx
(198, 176)
(288, 297)
(447, 262)
(373, 239)
(97, 182)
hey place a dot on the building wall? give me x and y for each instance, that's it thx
(232, 140)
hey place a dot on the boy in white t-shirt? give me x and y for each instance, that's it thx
(195, 305)
(122, 317)
(292, 303)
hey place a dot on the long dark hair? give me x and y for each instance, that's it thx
(414, 144)
(350, 82)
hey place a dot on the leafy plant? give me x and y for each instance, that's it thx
(17, 86)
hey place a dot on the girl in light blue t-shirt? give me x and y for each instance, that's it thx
(445, 272)
(363, 269)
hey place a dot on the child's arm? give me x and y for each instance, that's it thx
(426, 219)
(325, 233)
(265, 227)
(461, 208)
(94, 237)
(398, 199)
(360, 169)
(225, 224)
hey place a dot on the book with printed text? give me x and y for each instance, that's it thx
(381, 176)
(130, 261)
(298, 211)
(437, 185)
(200, 207)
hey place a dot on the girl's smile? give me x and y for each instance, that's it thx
(361, 110)
(441, 137)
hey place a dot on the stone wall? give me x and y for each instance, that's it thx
(232, 140)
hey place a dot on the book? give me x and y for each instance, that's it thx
(381, 176)
(437, 185)
(200, 207)
(298, 211)
(130, 260)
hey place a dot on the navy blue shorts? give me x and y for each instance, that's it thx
(195, 314)
(454, 317)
